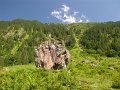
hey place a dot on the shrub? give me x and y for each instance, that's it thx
(116, 83)
(111, 53)
(91, 51)
(119, 53)
(99, 51)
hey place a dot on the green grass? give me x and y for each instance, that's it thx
(77, 76)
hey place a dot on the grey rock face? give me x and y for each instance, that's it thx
(51, 56)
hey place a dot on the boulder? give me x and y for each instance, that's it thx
(51, 56)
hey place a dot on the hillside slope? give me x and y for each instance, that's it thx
(84, 72)
(19, 38)
(90, 66)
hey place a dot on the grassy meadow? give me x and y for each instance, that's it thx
(84, 72)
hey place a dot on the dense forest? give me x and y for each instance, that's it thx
(19, 37)
(103, 39)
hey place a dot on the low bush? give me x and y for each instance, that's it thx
(116, 83)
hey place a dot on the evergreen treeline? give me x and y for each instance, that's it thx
(103, 38)
(19, 37)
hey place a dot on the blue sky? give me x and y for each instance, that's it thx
(54, 10)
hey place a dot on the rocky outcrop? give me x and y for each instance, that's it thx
(51, 56)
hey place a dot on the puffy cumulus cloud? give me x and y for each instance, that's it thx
(57, 14)
(65, 16)
(69, 19)
(65, 8)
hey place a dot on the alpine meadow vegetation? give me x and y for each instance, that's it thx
(94, 56)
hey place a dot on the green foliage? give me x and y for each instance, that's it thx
(91, 51)
(116, 82)
(103, 37)
(77, 75)
(19, 38)
(111, 53)
(31, 78)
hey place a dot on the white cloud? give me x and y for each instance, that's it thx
(69, 19)
(80, 20)
(56, 14)
(65, 8)
(87, 20)
(65, 16)
(75, 13)
(83, 18)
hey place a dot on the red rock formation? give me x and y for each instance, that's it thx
(51, 56)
